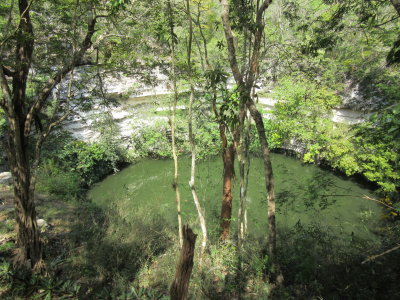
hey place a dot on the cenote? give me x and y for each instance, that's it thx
(306, 196)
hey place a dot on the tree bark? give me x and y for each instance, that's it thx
(29, 252)
(246, 100)
(172, 123)
(242, 146)
(20, 117)
(228, 157)
(180, 285)
(191, 138)
(269, 183)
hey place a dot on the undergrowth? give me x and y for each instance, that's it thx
(102, 253)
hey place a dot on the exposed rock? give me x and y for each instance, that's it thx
(131, 115)
(42, 223)
(6, 178)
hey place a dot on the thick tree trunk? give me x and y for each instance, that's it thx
(228, 157)
(180, 285)
(20, 116)
(29, 252)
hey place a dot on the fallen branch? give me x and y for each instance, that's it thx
(373, 257)
(379, 201)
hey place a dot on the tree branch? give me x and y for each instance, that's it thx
(373, 257)
(45, 134)
(45, 92)
(22, 17)
(6, 102)
(257, 43)
(388, 21)
(379, 201)
(8, 72)
(231, 43)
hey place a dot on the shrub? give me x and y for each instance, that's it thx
(55, 181)
(90, 161)
(66, 172)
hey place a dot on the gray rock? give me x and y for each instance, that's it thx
(42, 223)
(6, 178)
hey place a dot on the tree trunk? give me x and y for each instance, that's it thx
(242, 146)
(180, 285)
(191, 138)
(228, 157)
(245, 90)
(172, 123)
(29, 253)
(269, 182)
(20, 117)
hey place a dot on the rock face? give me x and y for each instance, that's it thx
(131, 113)
(6, 178)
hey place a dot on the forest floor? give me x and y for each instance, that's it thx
(81, 262)
(58, 216)
(96, 254)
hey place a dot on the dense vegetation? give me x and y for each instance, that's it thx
(218, 58)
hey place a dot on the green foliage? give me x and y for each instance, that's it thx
(5, 274)
(21, 285)
(377, 142)
(153, 141)
(207, 139)
(69, 166)
(229, 108)
(118, 248)
(118, 4)
(54, 180)
(241, 15)
(313, 260)
(302, 117)
(302, 112)
(143, 293)
(90, 161)
(109, 138)
(216, 77)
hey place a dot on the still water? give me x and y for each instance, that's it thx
(305, 194)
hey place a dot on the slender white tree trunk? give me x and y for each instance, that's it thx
(172, 124)
(244, 168)
(191, 138)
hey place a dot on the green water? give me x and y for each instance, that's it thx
(305, 195)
